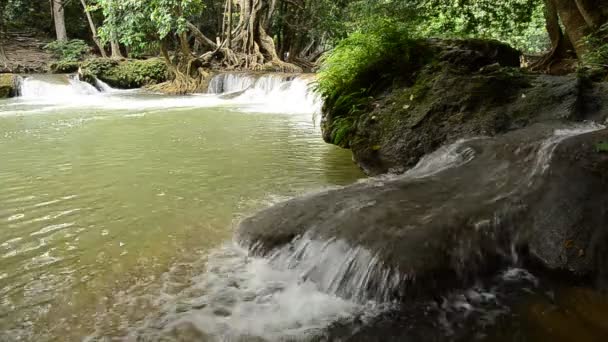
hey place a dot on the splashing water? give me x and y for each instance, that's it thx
(262, 94)
(274, 93)
(246, 297)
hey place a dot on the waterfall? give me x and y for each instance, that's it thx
(269, 93)
(60, 88)
(230, 82)
(103, 86)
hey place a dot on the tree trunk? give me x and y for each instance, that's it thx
(574, 23)
(93, 29)
(3, 58)
(229, 26)
(252, 39)
(115, 46)
(592, 12)
(59, 19)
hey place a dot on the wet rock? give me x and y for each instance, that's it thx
(570, 214)
(125, 74)
(464, 88)
(64, 67)
(8, 85)
(453, 218)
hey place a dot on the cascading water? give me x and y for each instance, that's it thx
(60, 90)
(269, 93)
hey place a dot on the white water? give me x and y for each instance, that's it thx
(265, 94)
(241, 297)
(34, 89)
(275, 93)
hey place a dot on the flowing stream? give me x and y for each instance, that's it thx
(117, 217)
(110, 202)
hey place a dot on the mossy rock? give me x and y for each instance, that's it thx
(64, 67)
(7, 86)
(602, 147)
(127, 74)
(465, 88)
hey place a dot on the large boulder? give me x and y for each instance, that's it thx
(8, 85)
(124, 74)
(466, 209)
(465, 88)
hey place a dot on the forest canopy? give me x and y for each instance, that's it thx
(291, 35)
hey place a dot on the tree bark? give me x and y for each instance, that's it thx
(229, 26)
(115, 46)
(592, 12)
(3, 58)
(93, 29)
(59, 19)
(574, 23)
(200, 37)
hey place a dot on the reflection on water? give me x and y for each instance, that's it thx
(101, 195)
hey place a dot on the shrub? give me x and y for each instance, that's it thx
(125, 74)
(63, 67)
(595, 60)
(363, 64)
(70, 51)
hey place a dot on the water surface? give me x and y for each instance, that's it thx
(110, 200)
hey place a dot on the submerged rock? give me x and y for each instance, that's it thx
(8, 85)
(463, 88)
(464, 210)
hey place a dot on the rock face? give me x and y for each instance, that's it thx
(463, 210)
(8, 85)
(466, 88)
(126, 74)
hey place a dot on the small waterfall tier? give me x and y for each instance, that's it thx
(468, 208)
(59, 87)
(280, 93)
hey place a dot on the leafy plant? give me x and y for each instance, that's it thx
(70, 51)
(601, 147)
(597, 54)
(361, 64)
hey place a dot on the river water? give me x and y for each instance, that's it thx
(112, 201)
(118, 211)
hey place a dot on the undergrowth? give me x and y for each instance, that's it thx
(362, 65)
(596, 58)
(69, 51)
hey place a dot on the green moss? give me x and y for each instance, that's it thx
(7, 85)
(602, 147)
(64, 67)
(126, 74)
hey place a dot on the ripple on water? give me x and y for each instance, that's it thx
(52, 228)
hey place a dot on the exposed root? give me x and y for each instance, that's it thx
(184, 83)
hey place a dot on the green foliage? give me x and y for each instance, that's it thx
(362, 63)
(98, 66)
(64, 67)
(602, 147)
(597, 55)
(364, 57)
(70, 51)
(520, 23)
(126, 74)
(140, 23)
(342, 128)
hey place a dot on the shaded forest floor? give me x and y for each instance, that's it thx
(25, 53)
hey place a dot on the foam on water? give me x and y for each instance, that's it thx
(271, 93)
(243, 297)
